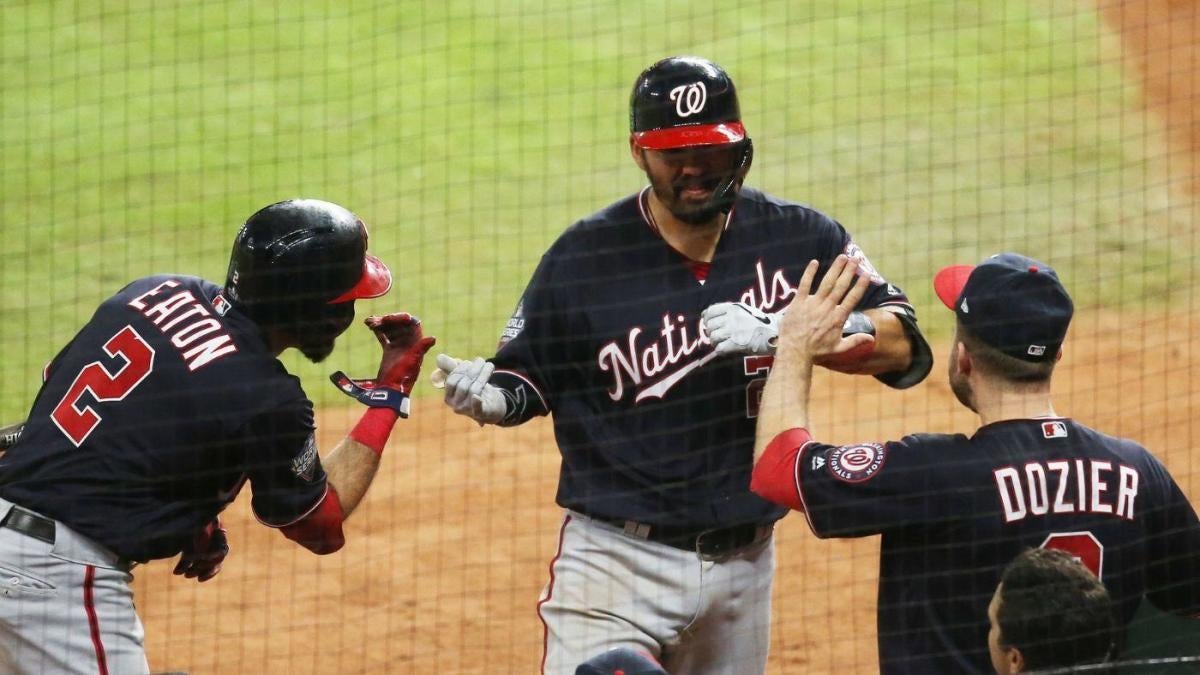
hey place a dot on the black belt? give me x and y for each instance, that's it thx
(30, 524)
(709, 543)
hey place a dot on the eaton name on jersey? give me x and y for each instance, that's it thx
(1067, 486)
(200, 338)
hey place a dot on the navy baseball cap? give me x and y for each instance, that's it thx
(621, 661)
(1012, 303)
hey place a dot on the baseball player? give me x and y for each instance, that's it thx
(157, 412)
(647, 331)
(954, 510)
(1049, 611)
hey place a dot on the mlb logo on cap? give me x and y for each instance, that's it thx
(1011, 302)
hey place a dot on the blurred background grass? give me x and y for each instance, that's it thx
(136, 136)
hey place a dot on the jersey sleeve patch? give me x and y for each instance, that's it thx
(855, 252)
(304, 463)
(516, 323)
(856, 463)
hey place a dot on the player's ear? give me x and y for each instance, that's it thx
(1016, 662)
(639, 155)
(1058, 357)
(964, 359)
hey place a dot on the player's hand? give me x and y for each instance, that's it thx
(203, 556)
(738, 328)
(404, 348)
(813, 324)
(467, 389)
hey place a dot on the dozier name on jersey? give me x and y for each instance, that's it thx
(1079, 486)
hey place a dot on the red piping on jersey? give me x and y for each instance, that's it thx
(562, 531)
(775, 472)
(644, 208)
(800, 488)
(528, 381)
(89, 606)
(298, 518)
(320, 530)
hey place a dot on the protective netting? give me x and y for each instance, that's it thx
(136, 136)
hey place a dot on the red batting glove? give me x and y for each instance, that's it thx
(202, 557)
(404, 347)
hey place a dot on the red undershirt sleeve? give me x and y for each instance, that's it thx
(320, 531)
(774, 477)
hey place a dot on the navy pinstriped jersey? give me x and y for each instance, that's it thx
(155, 414)
(953, 511)
(651, 426)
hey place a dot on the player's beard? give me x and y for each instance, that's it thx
(687, 211)
(317, 351)
(317, 340)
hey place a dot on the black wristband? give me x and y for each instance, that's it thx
(521, 401)
(365, 392)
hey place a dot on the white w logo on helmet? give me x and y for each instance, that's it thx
(689, 98)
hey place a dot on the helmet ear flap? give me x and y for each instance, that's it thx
(727, 191)
(743, 166)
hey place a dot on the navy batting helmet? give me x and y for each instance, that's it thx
(685, 102)
(295, 259)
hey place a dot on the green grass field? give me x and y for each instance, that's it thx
(136, 136)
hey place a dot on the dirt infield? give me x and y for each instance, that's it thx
(1161, 43)
(447, 556)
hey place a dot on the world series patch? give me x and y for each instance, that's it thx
(856, 463)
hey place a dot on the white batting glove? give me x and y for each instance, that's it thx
(467, 390)
(738, 328)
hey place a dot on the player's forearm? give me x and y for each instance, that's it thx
(785, 398)
(350, 469)
(891, 352)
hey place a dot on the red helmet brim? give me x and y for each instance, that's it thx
(375, 281)
(690, 136)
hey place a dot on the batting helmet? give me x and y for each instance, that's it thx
(684, 101)
(687, 101)
(295, 259)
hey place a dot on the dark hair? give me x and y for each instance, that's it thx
(1055, 611)
(995, 362)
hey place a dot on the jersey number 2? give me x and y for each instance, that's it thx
(78, 422)
(1083, 546)
(751, 366)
